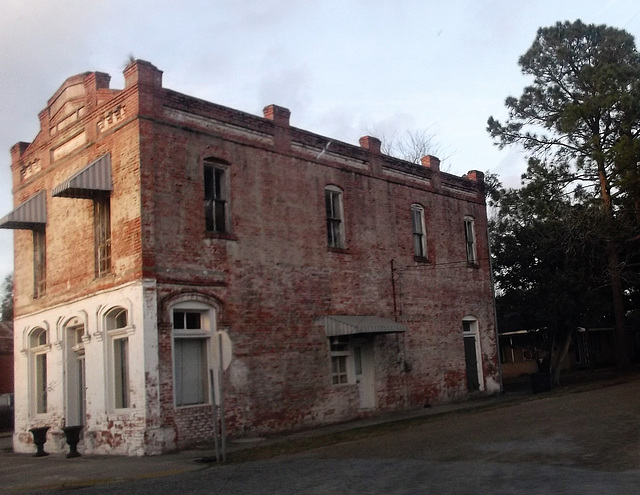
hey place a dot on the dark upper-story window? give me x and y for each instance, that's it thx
(39, 262)
(102, 235)
(470, 240)
(216, 196)
(419, 231)
(32, 215)
(335, 217)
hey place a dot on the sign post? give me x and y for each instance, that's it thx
(216, 440)
(222, 354)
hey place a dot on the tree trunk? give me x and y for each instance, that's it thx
(622, 352)
(613, 262)
(559, 357)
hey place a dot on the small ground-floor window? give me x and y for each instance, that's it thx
(340, 356)
(121, 372)
(38, 347)
(190, 371)
(119, 329)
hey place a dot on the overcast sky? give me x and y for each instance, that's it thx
(345, 68)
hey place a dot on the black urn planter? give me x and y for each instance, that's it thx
(72, 433)
(39, 439)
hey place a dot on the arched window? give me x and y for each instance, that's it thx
(38, 347)
(419, 231)
(193, 324)
(37, 338)
(334, 208)
(117, 325)
(75, 371)
(116, 318)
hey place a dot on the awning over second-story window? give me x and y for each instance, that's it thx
(30, 214)
(93, 180)
(336, 325)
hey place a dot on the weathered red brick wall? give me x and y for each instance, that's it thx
(274, 274)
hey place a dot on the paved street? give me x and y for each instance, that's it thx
(574, 441)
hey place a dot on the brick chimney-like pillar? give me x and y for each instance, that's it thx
(279, 115)
(142, 72)
(44, 121)
(477, 176)
(281, 133)
(431, 162)
(373, 145)
(17, 152)
(93, 82)
(148, 80)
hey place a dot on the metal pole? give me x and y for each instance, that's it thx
(393, 290)
(223, 428)
(215, 414)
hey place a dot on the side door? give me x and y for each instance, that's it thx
(364, 370)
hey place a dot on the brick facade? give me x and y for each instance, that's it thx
(266, 281)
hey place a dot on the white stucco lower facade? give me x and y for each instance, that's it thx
(91, 362)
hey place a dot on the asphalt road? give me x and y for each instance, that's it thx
(574, 442)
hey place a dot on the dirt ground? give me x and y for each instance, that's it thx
(593, 427)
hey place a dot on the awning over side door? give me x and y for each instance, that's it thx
(336, 325)
(91, 181)
(28, 215)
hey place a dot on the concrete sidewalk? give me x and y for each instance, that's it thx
(24, 473)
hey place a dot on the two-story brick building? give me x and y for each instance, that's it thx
(147, 222)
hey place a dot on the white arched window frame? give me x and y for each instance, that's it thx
(473, 353)
(118, 327)
(334, 211)
(193, 325)
(419, 229)
(38, 347)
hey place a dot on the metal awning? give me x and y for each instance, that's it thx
(93, 180)
(336, 325)
(28, 215)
